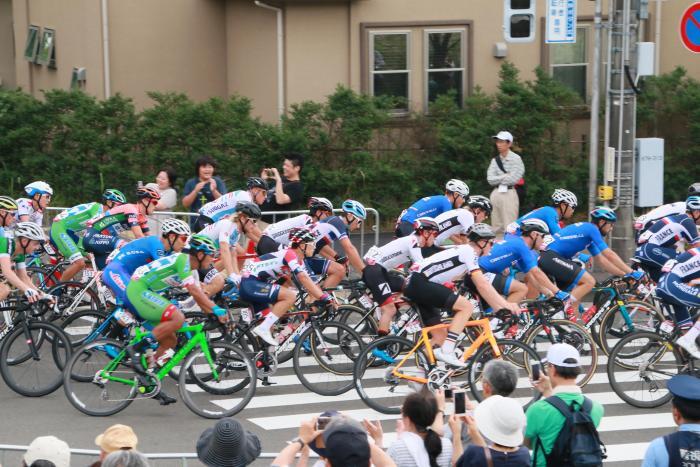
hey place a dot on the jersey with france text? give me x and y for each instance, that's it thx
(137, 253)
(275, 265)
(449, 264)
(548, 214)
(120, 219)
(77, 218)
(686, 266)
(575, 238)
(395, 253)
(430, 206)
(508, 253)
(453, 222)
(646, 220)
(330, 229)
(225, 205)
(670, 230)
(224, 230)
(164, 273)
(279, 231)
(26, 208)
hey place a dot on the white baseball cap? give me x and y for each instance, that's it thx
(504, 135)
(564, 355)
(48, 448)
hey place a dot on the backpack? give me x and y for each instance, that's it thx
(578, 443)
(686, 443)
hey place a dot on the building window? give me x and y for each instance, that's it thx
(47, 49)
(444, 73)
(390, 66)
(31, 48)
(569, 63)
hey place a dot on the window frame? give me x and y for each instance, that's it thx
(37, 30)
(585, 28)
(50, 61)
(426, 61)
(409, 64)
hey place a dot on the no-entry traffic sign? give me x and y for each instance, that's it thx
(690, 28)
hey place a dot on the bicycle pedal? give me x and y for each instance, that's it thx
(164, 399)
(266, 382)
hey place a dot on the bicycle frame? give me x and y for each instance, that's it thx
(613, 294)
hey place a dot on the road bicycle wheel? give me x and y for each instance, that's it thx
(231, 369)
(98, 380)
(324, 357)
(509, 350)
(73, 297)
(640, 365)
(541, 338)
(43, 277)
(613, 326)
(374, 378)
(360, 320)
(32, 358)
(83, 324)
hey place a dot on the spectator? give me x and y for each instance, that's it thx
(165, 185)
(229, 444)
(288, 190)
(504, 172)
(499, 377)
(501, 421)
(544, 420)
(48, 449)
(128, 458)
(683, 446)
(115, 438)
(203, 187)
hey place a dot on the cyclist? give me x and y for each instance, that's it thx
(225, 205)
(680, 287)
(277, 234)
(520, 251)
(658, 243)
(28, 237)
(32, 209)
(65, 233)
(643, 222)
(456, 192)
(122, 263)
(381, 260)
(557, 258)
(149, 281)
(338, 228)
(103, 235)
(258, 282)
(430, 287)
(564, 204)
(8, 208)
(455, 224)
(112, 198)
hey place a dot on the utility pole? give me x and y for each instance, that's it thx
(595, 109)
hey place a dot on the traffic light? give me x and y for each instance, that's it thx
(519, 20)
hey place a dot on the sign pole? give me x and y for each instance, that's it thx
(595, 109)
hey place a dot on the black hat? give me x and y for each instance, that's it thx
(346, 443)
(228, 444)
(685, 386)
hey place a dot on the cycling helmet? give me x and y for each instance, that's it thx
(692, 203)
(256, 182)
(694, 189)
(249, 209)
(147, 193)
(482, 202)
(355, 208)
(534, 225)
(29, 230)
(425, 223)
(561, 195)
(299, 235)
(601, 212)
(457, 186)
(7, 203)
(41, 188)
(320, 204)
(176, 226)
(111, 194)
(481, 232)
(199, 242)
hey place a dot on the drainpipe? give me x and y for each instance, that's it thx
(105, 50)
(280, 54)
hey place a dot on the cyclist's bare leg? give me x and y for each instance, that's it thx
(284, 302)
(164, 332)
(335, 274)
(4, 291)
(517, 291)
(388, 312)
(584, 286)
(72, 270)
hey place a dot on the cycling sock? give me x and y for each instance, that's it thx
(449, 345)
(694, 331)
(267, 323)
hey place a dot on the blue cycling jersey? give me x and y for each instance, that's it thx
(139, 252)
(548, 214)
(430, 206)
(507, 253)
(574, 238)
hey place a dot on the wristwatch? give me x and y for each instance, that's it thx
(301, 442)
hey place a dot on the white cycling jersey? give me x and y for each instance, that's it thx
(279, 231)
(25, 208)
(225, 205)
(224, 230)
(454, 222)
(395, 253)
(645, 220)
(450, 264)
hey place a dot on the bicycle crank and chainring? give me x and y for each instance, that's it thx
(439, 379)
(265, 363)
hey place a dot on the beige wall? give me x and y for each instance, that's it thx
(673, 52)
(7, 52)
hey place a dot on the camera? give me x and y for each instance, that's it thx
(322, 423)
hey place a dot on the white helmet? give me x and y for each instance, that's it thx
(176, 226)
(30, 230)
(564, 196)
(41, 188)
(534, 225)
(318, 202)
(457, 186)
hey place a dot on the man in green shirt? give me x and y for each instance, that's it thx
(544, 421)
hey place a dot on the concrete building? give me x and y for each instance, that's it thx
(293, 50)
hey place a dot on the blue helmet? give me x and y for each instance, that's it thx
(202, 243)
(38, 188)
(601, 212)
(355, 208)
(692, 203)
(111, 194)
